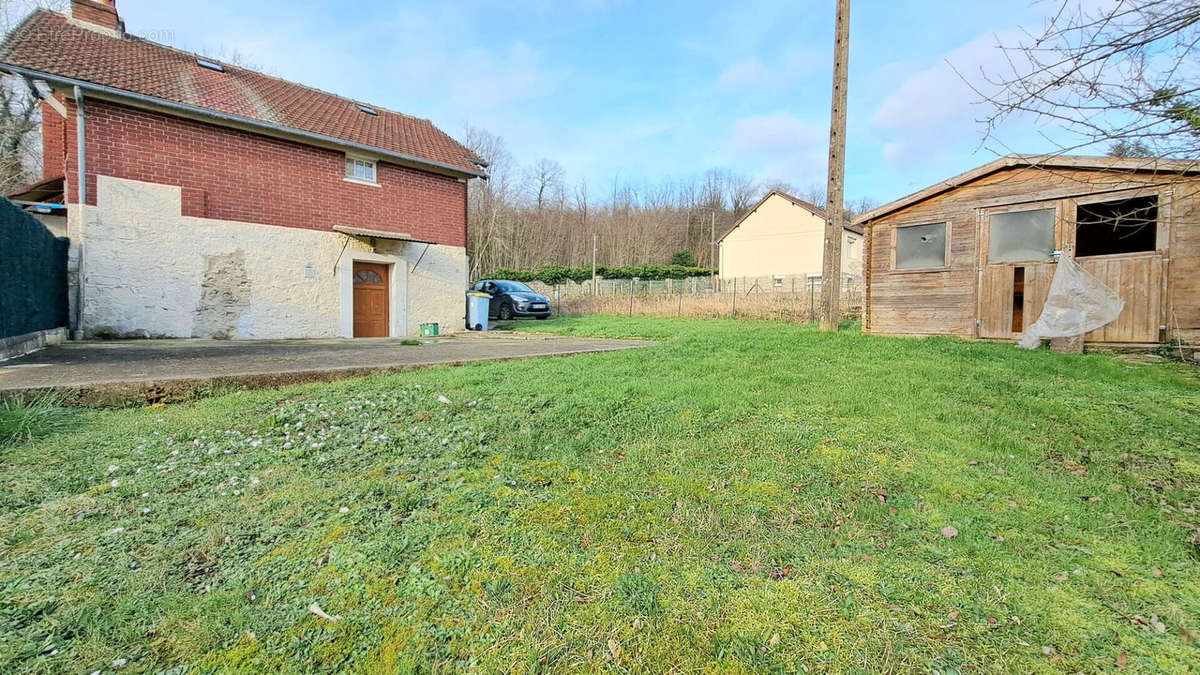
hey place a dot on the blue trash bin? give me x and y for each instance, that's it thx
(477, 310)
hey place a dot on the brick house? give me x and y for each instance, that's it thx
(206, 200)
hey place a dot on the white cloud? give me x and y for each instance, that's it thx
(771, 132)
(935, 112)
(497, 79)
(743, 74)
(781, 145)
(441, 69)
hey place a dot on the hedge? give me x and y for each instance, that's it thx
(554, 275)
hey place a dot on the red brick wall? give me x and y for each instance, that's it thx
(54, 146)
(100, 13)
(227, 174)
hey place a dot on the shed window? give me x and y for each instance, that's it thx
(1120, 226)
(921, 246)
(360, 169)
(1021, 235)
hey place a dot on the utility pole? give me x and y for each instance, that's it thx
(831, 266)
(712, 249)
(593, 263)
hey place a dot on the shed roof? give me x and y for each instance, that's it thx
(47, 190)
(48, 43)
(1049, 162)
(808, 206)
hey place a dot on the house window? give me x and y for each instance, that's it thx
(1120, 226)
(211, 65)
(777, 282)
(360, 169)
(368, 278)
(921, 246)
(1021, 235)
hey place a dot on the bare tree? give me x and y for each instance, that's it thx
(20, 118)
(1126, 71)
(743, 193)
(526, 218)
(544, 178)
(488, 200)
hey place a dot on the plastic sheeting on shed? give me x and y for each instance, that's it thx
(1077, 303)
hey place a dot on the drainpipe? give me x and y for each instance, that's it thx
(81, 149)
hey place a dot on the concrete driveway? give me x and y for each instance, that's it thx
(112, 372)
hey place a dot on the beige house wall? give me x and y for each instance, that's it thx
(148, 271)
(783, 239)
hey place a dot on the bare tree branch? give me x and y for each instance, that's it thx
(1126, 75)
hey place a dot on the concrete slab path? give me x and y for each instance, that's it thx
(110, 372)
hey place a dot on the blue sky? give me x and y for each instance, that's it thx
(646, 91)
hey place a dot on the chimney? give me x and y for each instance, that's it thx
(102, 13)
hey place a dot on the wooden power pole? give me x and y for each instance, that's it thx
(831, 266)
(712, 250)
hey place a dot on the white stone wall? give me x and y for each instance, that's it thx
(149, 271)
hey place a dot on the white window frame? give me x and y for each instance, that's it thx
(353, 166)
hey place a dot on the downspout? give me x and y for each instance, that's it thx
(81, 150)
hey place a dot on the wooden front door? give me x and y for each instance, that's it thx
(370, 300)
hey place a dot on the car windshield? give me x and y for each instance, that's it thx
(513, 287)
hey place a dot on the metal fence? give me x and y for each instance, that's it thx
(33, 274)
(778, 298)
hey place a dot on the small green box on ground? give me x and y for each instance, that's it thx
(429, 330)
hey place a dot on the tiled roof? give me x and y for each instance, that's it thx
(813, 208)
(51, 43)
(808, 206)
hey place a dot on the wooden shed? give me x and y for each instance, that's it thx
(973, 256)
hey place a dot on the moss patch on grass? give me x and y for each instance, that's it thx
(742, 496)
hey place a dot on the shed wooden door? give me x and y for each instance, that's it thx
(1138, 278)
(1013, 287)
(370, 300)
(1011, 298)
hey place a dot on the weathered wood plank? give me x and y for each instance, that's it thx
(950, 301)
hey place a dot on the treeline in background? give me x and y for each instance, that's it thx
(526, 218)
(555, 275)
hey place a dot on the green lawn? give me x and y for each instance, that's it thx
(742, 497)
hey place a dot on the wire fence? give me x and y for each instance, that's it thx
(796, 299)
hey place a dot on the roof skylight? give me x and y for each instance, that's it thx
(211, 65)
(369, 111)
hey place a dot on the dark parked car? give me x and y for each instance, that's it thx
(513, 300)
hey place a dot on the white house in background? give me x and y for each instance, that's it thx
(783, 238)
